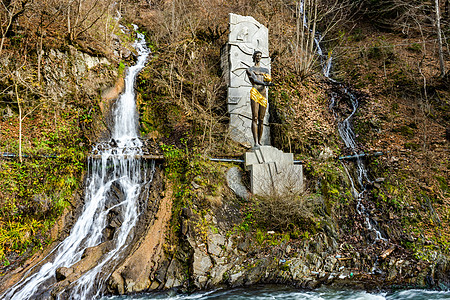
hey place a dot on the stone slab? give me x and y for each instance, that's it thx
(270, 179)
(272, 172)
(266, 154)
(234, 180)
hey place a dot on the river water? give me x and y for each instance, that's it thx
(266, 292)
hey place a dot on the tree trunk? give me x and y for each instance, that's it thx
(20, 121)
(4, 33)
(313, 34)
(39, 56)
(297, 40)
(302, 30)
(69, 29)
(439, 33)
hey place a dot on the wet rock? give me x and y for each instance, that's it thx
(113, 143)
(108, 233)
(215, 244)
(62, 273)
(297, 268)
(116, 283)
(162, 270)
(116, 221)
(89, 259)
(114, 195)
(330, 264)
(236, 279)
(256, 271)
(174, 275)
(219, 274)
(201, 266)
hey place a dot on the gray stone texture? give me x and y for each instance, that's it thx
(272, 172)
(246, 36)
(234, 180)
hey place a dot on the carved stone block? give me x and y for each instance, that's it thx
(273, 173)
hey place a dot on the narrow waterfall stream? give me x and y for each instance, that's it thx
(118, 171)
(346, 132)
(348, 136)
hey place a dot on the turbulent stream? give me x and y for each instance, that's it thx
(273, 292)
(116, 171)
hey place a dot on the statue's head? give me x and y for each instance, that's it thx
(255, 53)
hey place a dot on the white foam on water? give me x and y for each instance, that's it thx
(117, 166)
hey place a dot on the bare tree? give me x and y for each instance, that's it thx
(9, 12)
(310, 15)
(439, 34)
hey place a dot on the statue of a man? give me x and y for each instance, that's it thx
(260, 78)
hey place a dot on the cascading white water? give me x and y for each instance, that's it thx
(348, 136)
(126, 120)
(117, 168)
(326, 61)
(346, 132)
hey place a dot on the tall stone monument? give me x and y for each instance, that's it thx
(246, 36)
(272, 172)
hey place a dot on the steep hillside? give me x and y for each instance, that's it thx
(56, 90)
(403, 113)
(384, 55)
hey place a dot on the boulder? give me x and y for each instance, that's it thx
(62, 273)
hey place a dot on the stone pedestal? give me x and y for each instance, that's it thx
(273, 173)
(246, 36)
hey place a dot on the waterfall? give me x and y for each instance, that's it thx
(348, 136)
(113, 186)
(346, 132)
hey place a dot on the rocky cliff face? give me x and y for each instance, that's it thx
(194, 233)
(60, 117)
(207, 256)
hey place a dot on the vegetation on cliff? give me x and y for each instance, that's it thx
(57, 57)
(403, 113)
(390, 62)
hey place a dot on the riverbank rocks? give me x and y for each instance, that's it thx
(139, 271)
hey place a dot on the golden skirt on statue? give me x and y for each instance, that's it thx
(257, 97)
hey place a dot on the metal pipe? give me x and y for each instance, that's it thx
(144, 156)
(233, 160)
(227, 160)
(12, 155)
(147, 156)
(361, 155)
